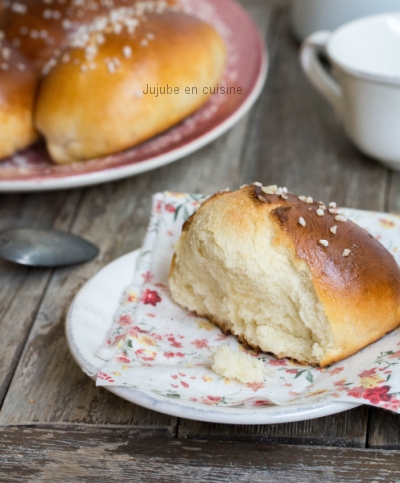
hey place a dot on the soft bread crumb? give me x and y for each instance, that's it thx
(229, 268)
(237, 365)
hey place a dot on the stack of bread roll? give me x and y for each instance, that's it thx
(79, 73)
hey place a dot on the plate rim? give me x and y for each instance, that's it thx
(183, 408)
(135, 168)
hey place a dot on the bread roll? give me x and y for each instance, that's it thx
(18, 82)
(97, 98)
(286, 275)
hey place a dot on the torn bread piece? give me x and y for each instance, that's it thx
(262, 264)
(237, 365)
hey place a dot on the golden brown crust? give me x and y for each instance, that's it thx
(361, 291)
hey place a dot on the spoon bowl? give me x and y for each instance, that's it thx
(45, 247)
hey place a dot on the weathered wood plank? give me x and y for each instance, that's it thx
(295, 140)
(393, 193)
(383, 429)
(21, 288)
(49, 456)
(344, 429)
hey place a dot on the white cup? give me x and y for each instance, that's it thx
(364, 87)
(308, 16)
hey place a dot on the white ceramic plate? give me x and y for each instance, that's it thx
(247, 60)
(90, 317)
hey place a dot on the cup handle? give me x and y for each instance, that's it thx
(316, 73)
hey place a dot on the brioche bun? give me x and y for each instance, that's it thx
(286, 275)
(91, 108)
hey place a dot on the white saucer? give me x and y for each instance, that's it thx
(88, 321)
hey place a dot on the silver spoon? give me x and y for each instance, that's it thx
(45, 248)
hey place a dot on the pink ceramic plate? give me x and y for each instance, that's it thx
(32, 170)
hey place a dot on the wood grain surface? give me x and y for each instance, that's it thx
(56, 426)
(133, 456)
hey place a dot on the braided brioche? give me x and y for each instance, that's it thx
(90, 65)
(286, 275)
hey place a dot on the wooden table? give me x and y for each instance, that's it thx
(56, 426)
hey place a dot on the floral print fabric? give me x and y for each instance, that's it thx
(158, 347)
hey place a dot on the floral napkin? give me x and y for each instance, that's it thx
(158, 347)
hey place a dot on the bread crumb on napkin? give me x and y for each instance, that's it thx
(237, 365)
